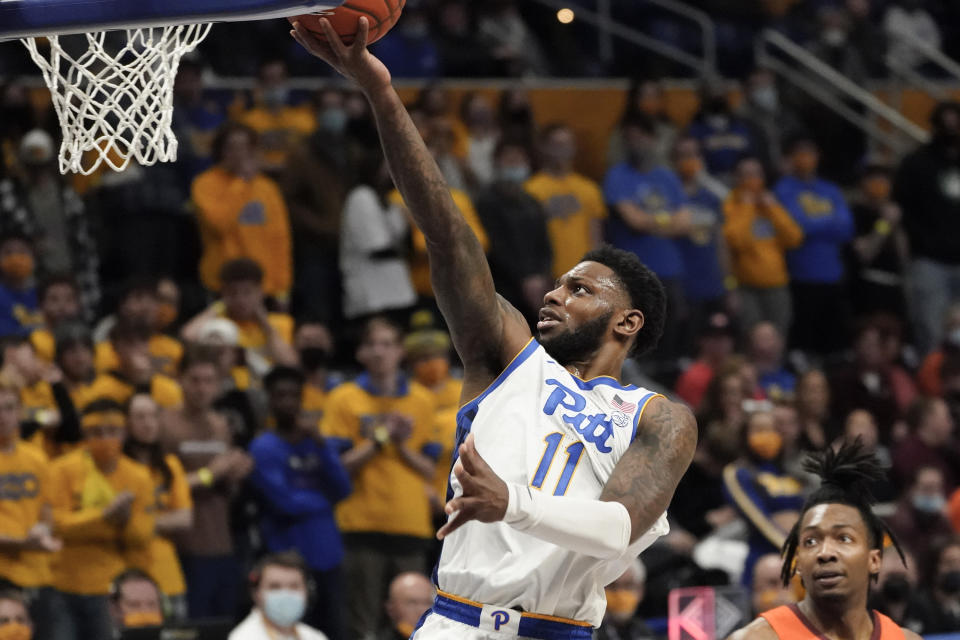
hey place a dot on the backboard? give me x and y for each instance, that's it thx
(27, 18)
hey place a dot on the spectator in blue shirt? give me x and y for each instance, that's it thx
(299, 479)
(703, 251)
(648, 217)
(821, 316)
(766, 355)
(723, 136)
(410, 48)
(19, 309)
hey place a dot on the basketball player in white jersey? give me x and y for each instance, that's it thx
(564, 474)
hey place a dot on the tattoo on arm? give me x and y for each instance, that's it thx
(458, 267)
(645, 479)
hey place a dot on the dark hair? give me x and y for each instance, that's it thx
(128, 332)
(289, 559)
(798, 139)
(71, 335)
(103, 405)
(940, 111)
(55, 280)
(643, 122)
(511, 143)
(14, 595)
(220, 140)
(129, 575)
(282, 373)
(157, 459)
(876, 169)
(15, 232)
(644, 289)
(845, 478)
(931, 560)
(380, 321)
(198, 355)
(138, 285)
(241, 270)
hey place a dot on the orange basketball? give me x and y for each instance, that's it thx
(382, 15)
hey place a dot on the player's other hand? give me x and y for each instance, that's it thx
(484, 496)
(353, 61)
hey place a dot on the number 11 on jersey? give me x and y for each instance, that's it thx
(574, 451)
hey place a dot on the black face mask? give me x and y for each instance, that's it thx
(949, 583)
(313, 358)
(896, 588)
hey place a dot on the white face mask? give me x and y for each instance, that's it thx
(284, 607)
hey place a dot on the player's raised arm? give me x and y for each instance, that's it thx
(486, 331)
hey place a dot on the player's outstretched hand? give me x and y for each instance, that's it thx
(353, 61)
(484, 496)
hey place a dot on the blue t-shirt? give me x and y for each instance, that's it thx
(702, 275)
(656, 191)
(19, 311)
(299, 484)
(821, 211)
(776, 382)
(409, 57)
(723, 142)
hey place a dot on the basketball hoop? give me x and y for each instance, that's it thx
(116, 105)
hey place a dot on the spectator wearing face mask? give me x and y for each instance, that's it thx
(723, 135)
(19, 309)
(40, 419)
(314, 185)
(135, 601)
(761, 491)
(927, 188)
(896, 587)
(100, 499)
(410, 48)
(409, 596)
(279, 124)
(15, 622)
(645, 97)
(767, 115)
(314, 346)
(483, 135)
(930, 443)
(758, 232)
(704, 253)
(280, 592)
(938, 610)
(520, 255)
(921, 512)
(624, 595)
(573, 203)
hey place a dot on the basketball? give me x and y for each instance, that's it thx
(345, 19)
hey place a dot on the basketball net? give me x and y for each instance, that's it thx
(115, 106)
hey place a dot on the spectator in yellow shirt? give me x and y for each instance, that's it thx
(172, 506)
(100, 499)
(266, 337)
(315, 348)
(428, 355)
(59, 299)
(279, 125)
(139, 304)
(382, 422)
(759, 231)
(26, 540)
(573, 203)
(241, 214)
(134, 371)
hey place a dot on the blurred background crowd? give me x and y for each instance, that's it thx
(225, 383)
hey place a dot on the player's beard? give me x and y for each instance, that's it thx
(578, 345)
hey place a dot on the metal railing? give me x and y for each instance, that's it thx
(827, 85)
(606, 25)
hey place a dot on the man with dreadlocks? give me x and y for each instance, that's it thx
(836, 548)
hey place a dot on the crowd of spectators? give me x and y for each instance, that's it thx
(226, 391)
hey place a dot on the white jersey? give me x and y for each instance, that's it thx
(538, 424)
